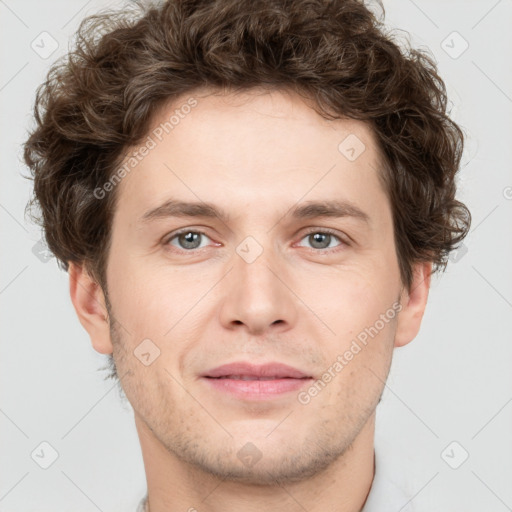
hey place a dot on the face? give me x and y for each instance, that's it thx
(289, 276)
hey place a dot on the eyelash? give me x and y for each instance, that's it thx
(324, 231)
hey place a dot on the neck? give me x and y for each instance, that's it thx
(174, 485)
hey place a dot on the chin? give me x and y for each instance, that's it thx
(251, 466)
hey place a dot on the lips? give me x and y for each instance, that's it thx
(248, 371)
(246, 381)
(247, 377)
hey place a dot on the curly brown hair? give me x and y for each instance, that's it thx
(99, 99)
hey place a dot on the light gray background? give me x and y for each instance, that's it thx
(452, 383)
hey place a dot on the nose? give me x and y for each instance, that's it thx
(257, 295)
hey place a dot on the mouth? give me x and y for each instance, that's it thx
(256, 382)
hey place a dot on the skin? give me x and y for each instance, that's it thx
(256, 155)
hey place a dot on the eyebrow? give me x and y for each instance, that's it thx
(307, 210)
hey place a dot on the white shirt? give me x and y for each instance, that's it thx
(390, 490)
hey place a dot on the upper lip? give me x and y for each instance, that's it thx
(272, 369)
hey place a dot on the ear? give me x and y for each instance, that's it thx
(414, 302)
(90, 306)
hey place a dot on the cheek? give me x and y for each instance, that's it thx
(358, 307)
(352, 297)
(151, 298)
(359, 362)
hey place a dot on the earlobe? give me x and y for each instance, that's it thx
(89, 303)
(414, 302)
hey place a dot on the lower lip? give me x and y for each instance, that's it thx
(257, 389)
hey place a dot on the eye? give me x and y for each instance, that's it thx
(187, 239)
(321, 239)
(190, 240)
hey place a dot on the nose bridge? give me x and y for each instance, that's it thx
(256, 294)
(255, 265)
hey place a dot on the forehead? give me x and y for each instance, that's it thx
(256, 145)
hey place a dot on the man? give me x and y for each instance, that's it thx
(250, 198)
